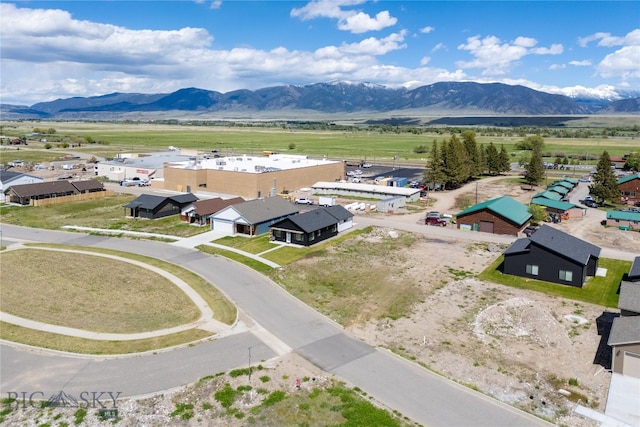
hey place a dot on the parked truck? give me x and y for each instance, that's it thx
(326, 201)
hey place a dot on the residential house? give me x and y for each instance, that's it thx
(625, 220)
(311, 227)
(553, 256)
(23, 194)
(153, 207)
(9, 178)
(88, 186)
(624, 338)
(502, 215)
(200, 211)
(630, 188)
(253, 217)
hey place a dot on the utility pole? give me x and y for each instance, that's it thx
(249, 348)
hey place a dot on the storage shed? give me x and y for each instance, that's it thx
(502, 215)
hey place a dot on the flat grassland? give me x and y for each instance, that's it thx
(376, 144)
(90, 292)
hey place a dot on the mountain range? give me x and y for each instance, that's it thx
(328, 98)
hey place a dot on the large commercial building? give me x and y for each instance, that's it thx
(248, 176)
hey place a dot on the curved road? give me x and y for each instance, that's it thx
(413, 391)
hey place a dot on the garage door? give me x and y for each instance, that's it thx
(486, 226)
(631, 364)
(223, 226)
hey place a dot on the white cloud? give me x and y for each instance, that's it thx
(495, 57)
(348, 20)
(583, 63)
(439, 46)
(427, 30)
(607, 40)
(622, 63)
(362, 23)
(216, 4)
(557, 66)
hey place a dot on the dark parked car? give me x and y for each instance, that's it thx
(528, 231)
(434, 220)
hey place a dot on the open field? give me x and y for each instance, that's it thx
(372, 144)
(90, 292)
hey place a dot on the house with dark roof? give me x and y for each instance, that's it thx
(9, 178)
(23, 194)
(553, 256)
(253, 217)
(153, 207)
(502, 215)
(88, 186)
(310, 227)
(200, 211)
(630, 188)
(624, 338)
(624, 220)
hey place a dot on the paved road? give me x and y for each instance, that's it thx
(411, 390)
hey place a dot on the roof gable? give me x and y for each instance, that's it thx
(548, 195)
(564, 244)
(339, 212)
(505, 207)
(210, 206)
(42, 188)
(315, 219)
(628, 178)
(183, 199)
(146, 201)
(555, 204)
(261, 210)
(88, 184)
(629, 297)
(625, 330)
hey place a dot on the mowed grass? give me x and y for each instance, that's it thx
(106, 213)
(602, 291)
(86, 346)
(90, 292)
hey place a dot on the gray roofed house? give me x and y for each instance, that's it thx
(553, 256)
(253, 217)
(200, 211)
(311, 227)
(153, 207)
(634, 273)
(625, 330)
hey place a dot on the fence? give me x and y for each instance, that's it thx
(72, 198)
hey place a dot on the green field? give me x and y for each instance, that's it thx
(374, 144)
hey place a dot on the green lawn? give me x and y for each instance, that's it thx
(598, 290)
(105, 213)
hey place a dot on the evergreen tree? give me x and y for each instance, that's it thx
(482, 160)
(455, 163)
(493, 159)
(434, 173)
(469, 141)
(604, 188)
(535, 171)
(505, 162)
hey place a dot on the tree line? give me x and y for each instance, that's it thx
(457, 161)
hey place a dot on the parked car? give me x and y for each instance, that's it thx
(432, 214)
(528, 231)
(433, 220)
(303, 201)
(366, 165)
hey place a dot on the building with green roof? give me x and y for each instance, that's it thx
(630, 188)
(625, 220)
(502, 215)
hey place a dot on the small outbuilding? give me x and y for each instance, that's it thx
(624, 220)
(566, 210)
(150, 206)
(553, 256)
(502, 215)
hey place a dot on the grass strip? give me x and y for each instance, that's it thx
(66, 343)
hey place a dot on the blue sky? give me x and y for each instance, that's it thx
(60, 49)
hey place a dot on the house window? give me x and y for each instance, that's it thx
(566, 275)
(298, 237)
(532, 270)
